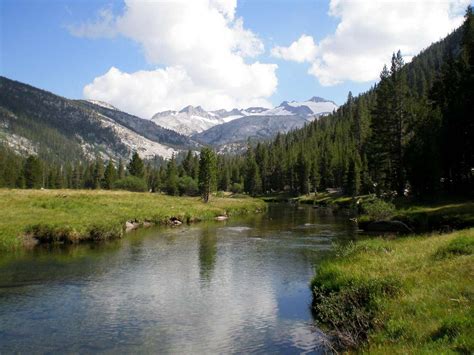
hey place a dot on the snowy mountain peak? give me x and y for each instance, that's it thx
(198, 110)
(254, 110)
(194, 119)
(317, 99)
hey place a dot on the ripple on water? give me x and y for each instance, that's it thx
(236, 229)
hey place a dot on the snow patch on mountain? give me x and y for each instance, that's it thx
(191, 120)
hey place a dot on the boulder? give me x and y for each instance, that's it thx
(131, 225)
(221, 218)
(175, 221)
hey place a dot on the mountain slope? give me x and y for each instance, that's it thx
(265, 124)
(253, 127)
(37, 121)
(191, 121)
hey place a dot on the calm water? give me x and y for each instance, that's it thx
(232, 287)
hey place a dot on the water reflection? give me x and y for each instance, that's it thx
(207, 252)
(210, 288)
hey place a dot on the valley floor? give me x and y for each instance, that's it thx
(76, 215)
(406, 295)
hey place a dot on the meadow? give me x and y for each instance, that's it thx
(71, 216)
(406, 295)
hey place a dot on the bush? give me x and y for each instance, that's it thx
(131, 183)
(451, 328)
(349, 309)
(462, 245)
(237, 188)
(378, 209)
(188, 186)
(45, 233)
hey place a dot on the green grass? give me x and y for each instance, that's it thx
(75, 215)
(436, 215)
(408, 295)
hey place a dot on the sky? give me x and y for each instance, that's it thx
(145, 56)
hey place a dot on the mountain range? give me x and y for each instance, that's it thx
(34, 121)
(193, 120)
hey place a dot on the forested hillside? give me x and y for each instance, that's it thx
(411, 133)
(59, 130)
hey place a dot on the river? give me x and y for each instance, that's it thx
(239, 286)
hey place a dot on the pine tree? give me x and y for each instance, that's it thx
(110, 175)
(224, 180)
(188, 164)
(315, 177)
(207, 173)
(399, 115)
(77, 181)
(33, 172)
(380, 147)
(303, 169)
(352, 183)
(136, 166)
(172, 177)
(252, 181)
(120, 170)
(98, 173)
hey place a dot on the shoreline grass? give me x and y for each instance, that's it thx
(78, 215)
(408, 295)
(443, 213)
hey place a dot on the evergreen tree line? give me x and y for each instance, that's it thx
(412, 131)
(195, 175)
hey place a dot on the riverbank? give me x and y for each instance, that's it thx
(407, 295)
(29, 216)
(447, 213)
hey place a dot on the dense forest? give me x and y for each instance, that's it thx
(411, 133)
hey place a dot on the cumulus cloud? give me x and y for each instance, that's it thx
(302, 50)
(370, 31)
(199, 49)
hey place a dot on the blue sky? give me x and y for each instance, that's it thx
(38, 47)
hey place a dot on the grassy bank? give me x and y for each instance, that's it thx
(407, 295)
(441, 214)
(72, 215)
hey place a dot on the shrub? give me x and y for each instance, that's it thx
(451, 328)
(131, 183)
(45, 233)
(378, 209)
(237, 188)
(349, 309)
(462, 245)
(188, 186)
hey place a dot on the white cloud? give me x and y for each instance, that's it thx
(103, 26)
(302, 50)
(370, 31)
(199, 49)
